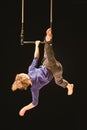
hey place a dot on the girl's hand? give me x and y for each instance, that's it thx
(37, 43)
(22, 112)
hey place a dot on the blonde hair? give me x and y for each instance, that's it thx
(21, 82)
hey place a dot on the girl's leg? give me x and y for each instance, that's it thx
(49, 59)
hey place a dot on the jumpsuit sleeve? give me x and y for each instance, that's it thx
(34, 64)
(35, 96)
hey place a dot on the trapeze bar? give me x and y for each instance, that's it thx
(22, 24)
(30, 42)
(51, 11)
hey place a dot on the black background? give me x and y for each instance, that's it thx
(55, 110)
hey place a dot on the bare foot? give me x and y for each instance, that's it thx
(70, 89)
(48, 35)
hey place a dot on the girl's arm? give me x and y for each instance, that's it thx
(25, 108)
(37, 52)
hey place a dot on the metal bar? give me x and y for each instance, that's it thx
(32, 42)
(22, 11)
(22, 24)
(51, 11)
